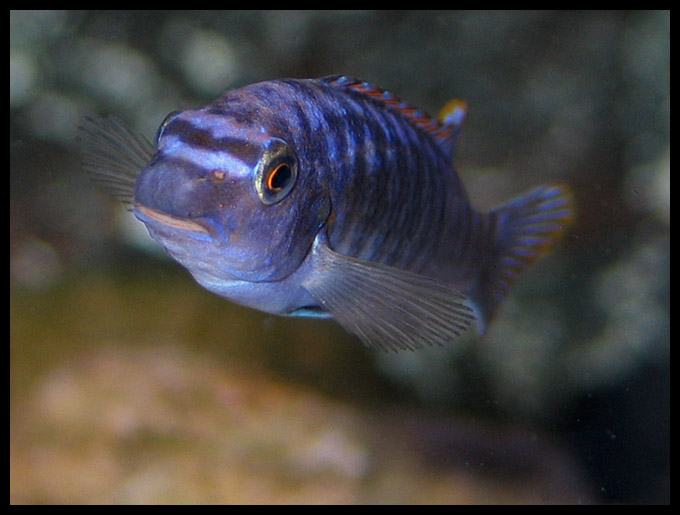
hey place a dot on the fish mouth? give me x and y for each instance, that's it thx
(174, 222)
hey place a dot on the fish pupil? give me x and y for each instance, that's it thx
(279, 177)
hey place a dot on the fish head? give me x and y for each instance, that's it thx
(228, 199)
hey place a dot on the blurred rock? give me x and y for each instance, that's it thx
(163, 425)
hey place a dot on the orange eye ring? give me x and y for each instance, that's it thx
(279, 177)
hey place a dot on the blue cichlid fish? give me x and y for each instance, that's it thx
(327, 197)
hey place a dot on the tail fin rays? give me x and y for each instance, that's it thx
(525, 228)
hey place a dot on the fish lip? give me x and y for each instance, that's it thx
(195, 227)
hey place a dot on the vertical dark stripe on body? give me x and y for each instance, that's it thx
(389, 192)
(387, 178)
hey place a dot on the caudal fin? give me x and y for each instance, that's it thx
(525, 228)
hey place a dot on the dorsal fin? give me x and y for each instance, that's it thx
(443, 130)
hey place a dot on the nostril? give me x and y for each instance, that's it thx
(218, 175)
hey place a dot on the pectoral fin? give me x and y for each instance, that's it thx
(114, 155)
(388, 308)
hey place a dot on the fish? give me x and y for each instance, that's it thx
(328, 197)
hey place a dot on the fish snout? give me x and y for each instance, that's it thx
(181, 198)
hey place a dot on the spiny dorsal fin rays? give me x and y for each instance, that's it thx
(443, 129)
(452, 115)
(113, 155)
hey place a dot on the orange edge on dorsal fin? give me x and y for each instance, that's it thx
(439, 130)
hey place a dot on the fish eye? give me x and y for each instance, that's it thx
(276, 173)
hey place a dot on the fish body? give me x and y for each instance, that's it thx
(328, 197)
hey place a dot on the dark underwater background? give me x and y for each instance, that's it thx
(131, 384)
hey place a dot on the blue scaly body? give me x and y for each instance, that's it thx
(330, 197)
